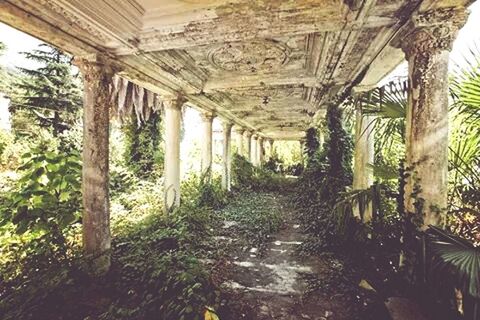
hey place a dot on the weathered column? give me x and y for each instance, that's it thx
(363, 157)
(97, 76)
(254, 150)
(248, 145)
(321, 137)
(272, 147)
(239, 141)
(207, 119)
(427, 50)
(302, 151)
(261, 151)
(227, 156)
(173, 116)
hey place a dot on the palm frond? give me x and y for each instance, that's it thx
(453, 255)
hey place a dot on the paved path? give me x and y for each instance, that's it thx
(273, 284)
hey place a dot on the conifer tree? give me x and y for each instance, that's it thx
(49, 95)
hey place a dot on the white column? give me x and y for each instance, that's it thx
(97, 99)
(261, 151)
(239, 141)
(302, 152)
(173, 115)
(363, 157)
(248, 145)
(227, 156)
(207, 145)
(254, 150)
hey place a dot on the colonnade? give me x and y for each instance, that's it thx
(426, 46)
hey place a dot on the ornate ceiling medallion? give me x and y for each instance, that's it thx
(250, 57)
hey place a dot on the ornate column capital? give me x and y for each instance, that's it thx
(248, 133)
(174, 101)
(96, 65)
(207, 116)
(432, 31)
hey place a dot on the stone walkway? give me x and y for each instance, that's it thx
(273, 283)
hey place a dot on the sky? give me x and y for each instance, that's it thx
(17, 42)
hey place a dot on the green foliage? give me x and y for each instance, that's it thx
(143, 152)
(247, 176)
(311, 143)
(323, 184)
(48, 195)
(454, 256)
(339, 152)
(50, 95)
(254, 216)
(204, 191)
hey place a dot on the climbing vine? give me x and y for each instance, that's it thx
(143, 153)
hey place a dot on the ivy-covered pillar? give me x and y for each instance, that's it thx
(427, 48)
(207, 119)
(261, 151)
(239, 141)
(271, 153)
(97, 77)
(363, 159)
(254, 150)
(248, 144)
(173, 115)
(227, 156)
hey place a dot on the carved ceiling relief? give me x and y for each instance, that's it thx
(250, 57)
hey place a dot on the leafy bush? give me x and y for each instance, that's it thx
(247, 176)
(48, 195)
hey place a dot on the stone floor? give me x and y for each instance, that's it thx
(273, 283)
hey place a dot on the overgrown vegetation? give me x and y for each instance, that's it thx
(389, 248)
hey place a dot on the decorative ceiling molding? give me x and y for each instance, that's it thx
(265, 65)
(252, 57)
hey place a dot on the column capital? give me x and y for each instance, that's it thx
(255, 136)
(207, 116)
(95, 66)
(432, 31)
(248, 133)
(173, 101)
(239, 130)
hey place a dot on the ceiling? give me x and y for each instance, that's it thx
(267, 65)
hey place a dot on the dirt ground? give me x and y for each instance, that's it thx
(278, 283)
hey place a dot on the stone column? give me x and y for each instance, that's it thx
(427, 48)
(272, 147)
(97, 77)
(248, 145)
(207, 145)
(239, 141)
(302, 152)
(321, 138)
(173, 116)
(254, 150)
(227, 156)
(363, 157)
(261, 151)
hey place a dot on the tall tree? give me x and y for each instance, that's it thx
(49, 95)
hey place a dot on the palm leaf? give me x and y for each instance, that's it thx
(388, 105)
(456, 256)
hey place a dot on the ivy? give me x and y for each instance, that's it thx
(143, 152)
